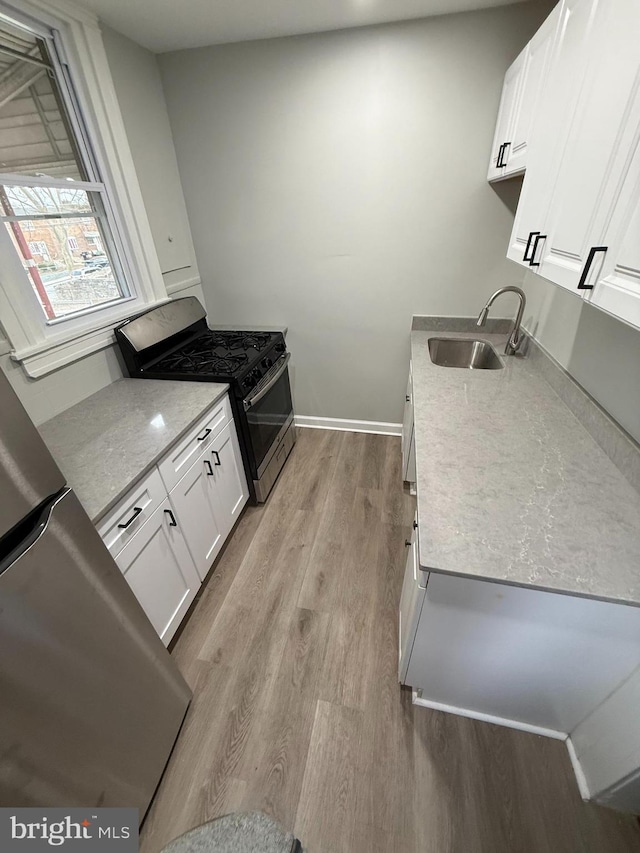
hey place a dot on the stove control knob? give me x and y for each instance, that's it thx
(266, 363)
(281, 347)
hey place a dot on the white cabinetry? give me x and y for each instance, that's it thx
(594, 175)
(520, 103)
(199, 511)
(160, 571)
(551, 127)
(520, 656)
(413, 587)
(507, 119)
(578, 219)
(408, 445)
(167, 531)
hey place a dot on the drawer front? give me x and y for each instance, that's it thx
(128, 516)
(184, 453)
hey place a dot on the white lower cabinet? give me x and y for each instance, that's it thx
(158, 567)
(209, 498)
(408, 448)
(199, 512)
(413, 589)
(164, 543)
(519, 656)
(228, 476)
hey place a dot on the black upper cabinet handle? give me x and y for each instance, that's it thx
(172, 518)
(209, 468)
(204, 434)
(501, 152)
(585, 272)
(136, 512)
(532, 259)
(215, 453)
(526, 256)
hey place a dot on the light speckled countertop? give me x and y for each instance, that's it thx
(511, 486)
(104, 444)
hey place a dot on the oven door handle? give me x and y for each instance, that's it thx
(279, 368)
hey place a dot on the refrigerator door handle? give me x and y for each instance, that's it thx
(24, 536)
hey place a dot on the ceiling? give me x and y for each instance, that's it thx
(163, 25)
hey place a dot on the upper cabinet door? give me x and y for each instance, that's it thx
(557, 105)
(507, 117)
(594, 168)
(539, 51)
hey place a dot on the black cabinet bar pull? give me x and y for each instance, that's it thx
(532, 259)
(407, 398)
(209, 468)
(526, 256)
(215, 453)
(407, 543)
(585, 272)
(204, 434)
(415, 525)
(172, 518)
(136, 512)
(501, 152)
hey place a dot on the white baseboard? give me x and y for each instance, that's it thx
(581, 779)
(375, 427)
(488, 718)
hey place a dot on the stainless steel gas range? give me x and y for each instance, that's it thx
(173, 341)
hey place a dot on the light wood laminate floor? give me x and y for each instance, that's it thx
(291, 652)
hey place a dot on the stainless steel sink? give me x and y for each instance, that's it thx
(458, 352)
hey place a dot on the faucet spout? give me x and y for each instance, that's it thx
(515, 338)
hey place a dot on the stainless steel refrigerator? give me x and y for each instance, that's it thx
(90, 700)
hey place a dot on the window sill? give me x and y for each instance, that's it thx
(51, 355)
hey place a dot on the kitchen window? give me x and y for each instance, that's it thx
(49, 181)
(76, 253)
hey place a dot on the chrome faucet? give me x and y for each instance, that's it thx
(515, 338)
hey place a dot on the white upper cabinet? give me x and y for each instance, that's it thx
(507, 118)
(594, 174)
(570, 52)
(616, 284)
(521, 98)
(578, 217)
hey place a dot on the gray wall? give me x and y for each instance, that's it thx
(139, 89)
(136, 78)
(600, 352)
(336, 183)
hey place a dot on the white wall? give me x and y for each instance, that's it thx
(139, 89)
(600, 352)
(335, 184)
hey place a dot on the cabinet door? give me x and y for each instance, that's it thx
(593, 169)
(535, 71)
(506, 116)
(158, 567)
(555, 114)
(617, 288)
(228, 476)
(199, 513)
(407, 427)
(413, 587)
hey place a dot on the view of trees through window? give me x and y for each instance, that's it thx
(57, 225)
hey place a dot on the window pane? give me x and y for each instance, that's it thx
(66, 263)
(44, 201)
(35, 136)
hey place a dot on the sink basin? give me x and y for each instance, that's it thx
(458, 352)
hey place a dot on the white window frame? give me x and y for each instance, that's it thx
(41, 348)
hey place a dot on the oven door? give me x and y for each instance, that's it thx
(269, 411)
